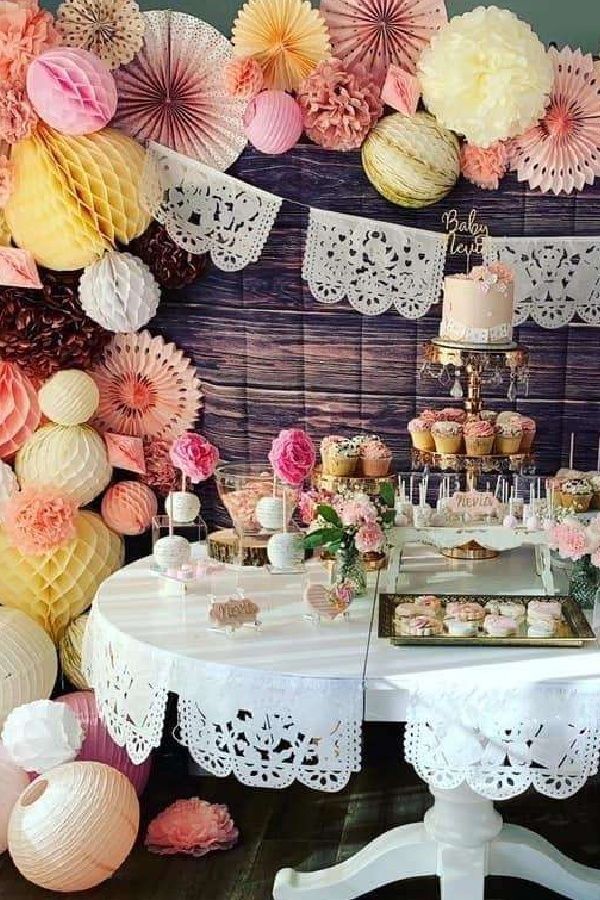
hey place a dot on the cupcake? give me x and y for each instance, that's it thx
(595, 483)
(489, 415)
(528, 427)
(479, 437)
(506, 415)
(375, 458)
(576, 495)
(327, 447)
(448, 436)
(452, 414)
(430, 416)
(342, 460)
(508, 436)
(428, 603)
(457, 628)
(420, 434)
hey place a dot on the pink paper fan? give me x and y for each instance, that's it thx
(174, 91)
(562, 152)
(380, 33)
(147, 388)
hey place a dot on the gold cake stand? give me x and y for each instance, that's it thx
(338, 484)
(473, 466)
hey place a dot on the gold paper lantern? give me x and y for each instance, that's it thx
(69, 650)
(57, 587)
(28, 665)
(71, 458)
(70, 397)
(74, 826)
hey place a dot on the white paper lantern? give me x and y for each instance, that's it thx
(70, 397)
(182, 506)
(8, 486)
(28, 664)
(119, 292)
(13, 781)
(42, 735)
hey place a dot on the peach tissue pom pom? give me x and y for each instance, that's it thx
(6, 180)
(484, 166)
(25, 32)
(39, 519)
(17, 116)
(194, 827)
(244, 78)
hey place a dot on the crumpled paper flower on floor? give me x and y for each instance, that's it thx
(193, 827)
(112, 29)
(172, 266)
(484, 166)
(25, 32)
(39, 519)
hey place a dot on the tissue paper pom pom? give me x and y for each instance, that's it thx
(484, 166)
(161, 475)
(73, 459)
(69, 398)
(13, 781)
(72, 90)
(340, 106)
(486, 75)
(119, 292)
(17, 115)
(194, 827)
(28, 666)
(42, 735)
(39, 519)
(112, 29)
(196, 457)
(129, 507)
(6, 179)
(292, 456)
(19, 409)
(8, 486)
(286, 37)
(273, 122)
(172, 266)
(25, 31)
(243, 78)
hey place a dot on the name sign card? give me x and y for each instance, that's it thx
(474, 504)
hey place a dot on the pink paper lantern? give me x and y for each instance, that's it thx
(129, 507)
(19, 409)
(273, 122)
(13, 782)
(72, 90)
(98, 746)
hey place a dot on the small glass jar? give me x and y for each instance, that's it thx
(348, 566)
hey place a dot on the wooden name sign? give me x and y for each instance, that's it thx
(474, 504)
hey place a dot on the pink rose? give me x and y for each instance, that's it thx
(292, 456)
(401, 91)
(369, 538)
(194, 456)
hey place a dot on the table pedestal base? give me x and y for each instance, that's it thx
(461, 840)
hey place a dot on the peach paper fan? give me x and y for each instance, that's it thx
(112, 29)
(380, 33)
(562, 151)
(148, 388)
(174, 92)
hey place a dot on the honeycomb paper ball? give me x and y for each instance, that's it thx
(28, 666)
(8, 486)
(411, 160)
(69, 651)
(19, 409)
(69, 397)
(73, 827)
(119, 292)
(42, 735)
(71, 458)
(72, 90)
(273, 122)
(13, 781)
(129, 507)
(56, 588)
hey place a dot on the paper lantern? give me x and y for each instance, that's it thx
(27, 661)
(98, 746)
(72, 458)
(69, 651)
(42, 735)
(73, 827)
(13, 782)
(273, 122)
(411, 160)
(119, 292)
(19, 409)
(8, 486)
(56, 588)
(72, 90)
(69, 397)
(129, 507)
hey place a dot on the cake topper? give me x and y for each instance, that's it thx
(465, 235)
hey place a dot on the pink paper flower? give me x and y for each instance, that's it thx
(369, 538)
(292, 456)
(243, 77)
(6, 180)
(161, 475)
(38, 519)
(196, 457)
(17, 115)
(25, 32)
(193, 827)
(401, 91)
(484, 167)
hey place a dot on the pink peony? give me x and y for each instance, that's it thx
(25, 32)
(569, 539)
(243, 78)
(292, 456)
(484, 167)
(17, 116)
(194, 456)
(6, 180)
(401, 91)
(308, 503)
(38, 519)
(355, 512)
(194, 827)
(369, 538)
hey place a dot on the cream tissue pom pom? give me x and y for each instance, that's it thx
(486, 75)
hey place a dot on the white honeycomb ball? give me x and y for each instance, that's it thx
(119, 292)
(69, 398)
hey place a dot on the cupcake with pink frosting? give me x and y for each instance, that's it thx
(489, 415)
(528, 429)
(375, 458)
(420, 434)
(479, 437)
(448, 436)
(430, 416)
(453, 414)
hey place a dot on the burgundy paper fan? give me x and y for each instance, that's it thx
(174, 92)
(378, 33)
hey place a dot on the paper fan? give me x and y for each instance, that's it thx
(147, 388)
(112, 29)
(174, 92)
(379, 33)
(562, 152)
(287, 37)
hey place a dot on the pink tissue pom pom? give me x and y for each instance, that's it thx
(292, 456)
(273, 122)
(194, 827)
(37, 520)
(194, 456)
(401, 91)
(17, 115)
(243, 77)
(484, 166)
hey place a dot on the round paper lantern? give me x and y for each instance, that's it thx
(8, 486)
(119, 292)
(69, 397)
(56, 588)
(13, 782)
(129, 507)
(69, 651)
(72, 90)
(72, 828)
(411, 160)
(19, 409)
(42, 735)
(273, 122)
(98, 746)
(28, 665)
(71, 458)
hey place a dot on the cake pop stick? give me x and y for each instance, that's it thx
(284, 509)
(598, 460)
(170, 514)
(572, 451)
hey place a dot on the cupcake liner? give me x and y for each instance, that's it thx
(595, 504)
(375, 468)
(579, 503)
(422, 440)
(527, 441)
(340, 466)
(448, 443)
(508, 445)
(479, 446)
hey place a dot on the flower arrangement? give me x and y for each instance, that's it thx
(580, 543)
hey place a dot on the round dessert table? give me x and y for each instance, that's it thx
(287, 702)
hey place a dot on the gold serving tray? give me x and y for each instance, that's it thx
(461, 462)
(573, 631)
(339, 483)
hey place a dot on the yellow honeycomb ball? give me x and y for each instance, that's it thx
(70, 649)
(69, 398)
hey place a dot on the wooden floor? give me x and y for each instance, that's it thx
(308, 830)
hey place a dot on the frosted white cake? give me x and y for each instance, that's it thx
(478, 308)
